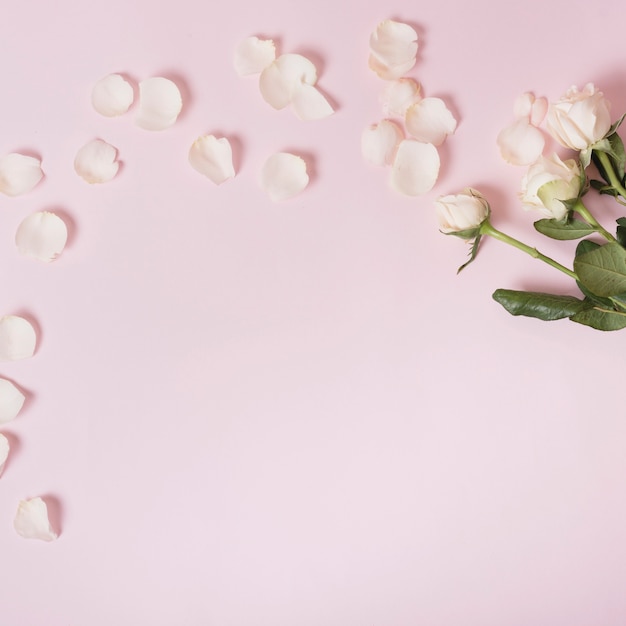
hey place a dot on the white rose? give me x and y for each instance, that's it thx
(464, 211)
(549, 181)
(580, 118)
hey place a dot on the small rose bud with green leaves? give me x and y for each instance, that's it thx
(462, 214)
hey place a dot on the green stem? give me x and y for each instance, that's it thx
(615, 182)
(487, 229)
(584, 212)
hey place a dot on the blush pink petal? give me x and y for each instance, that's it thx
(96, 162)
(19, 174)
(31, 520)
(280, 80)
(430, 121)
(253, 55)
(213, 158)
(11, 401)
(309, 103)
(112, 95)
(160, 104)
(41, 236)
(415, 168)
(17, 338)
(284, 176)
(521, 143)
(380, 141)
(4, 451)
(398, 96)
(393, 49)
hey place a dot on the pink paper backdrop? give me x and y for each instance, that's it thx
(297, 414)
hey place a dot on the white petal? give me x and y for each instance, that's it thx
(393, 47)
(283, 176)
(42, 236)
(4, 451)
(96, 162)
(253, 55)
(17, 338)
(213, 158)
(112, 95)
(310, 104)
(380, 141)
(415, 168)
(11, 401)
(532, 108)
(160, 103)
(280, 79)
(430, 121)
(19, 174)
(398, 96)
(521, 143)
(31, 520)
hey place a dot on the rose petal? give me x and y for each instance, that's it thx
(279, 80)
(160, 103)
(398, 96)
(520, 143)
(4, 451)
(253, 55)
(283, 176)
(31, 520)
(17, 338)
(310, 104)
(532, 108)
(415, 168)
(430, 121)
(96, 162)
(213, 158)
(112, 95)
(19, 174)
(11, 401)
(393, 48)
(41, 236)
(380, 141)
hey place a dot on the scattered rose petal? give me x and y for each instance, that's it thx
(283, 176)
(19, 174)
(41, 236)
(310, 104)
(112, 95)
(380, 141)
(520, 143)
(96, 162)
(415, 168)
(17, 338)
(398, 96)
(279, 80)
(213, 158)
(430, 121)
(4, 451)
(534, 109)
(31, 520)
(253, 55)
(393, 48)
(11, 401)
(160, 103)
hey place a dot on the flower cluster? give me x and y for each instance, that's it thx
(555, 186)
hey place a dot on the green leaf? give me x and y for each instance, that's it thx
(613, 146)
(603, 270)
(563, 230)
(593, 299)
(586, 246)
(621, 231)
(600, 319)
(544, 306)
(619, 302)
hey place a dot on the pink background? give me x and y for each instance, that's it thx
(297, 414)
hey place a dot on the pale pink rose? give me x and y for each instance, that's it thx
(461, 212)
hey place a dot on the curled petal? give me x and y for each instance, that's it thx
(213, 158)
(280, 80)
(309, 103)
(112, 95)
(41, 236)
(253, 55)
(160, 103)
(17, 338)
(380, 141)
(283, 176)
(11, 401)
(393, 48)
(398, 96)
(415, 168)
(430, 121)
(96, 162)
(19, 174)
(4, 451)
(31, 520)
(521, 143)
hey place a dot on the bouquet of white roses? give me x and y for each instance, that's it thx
(579, 121)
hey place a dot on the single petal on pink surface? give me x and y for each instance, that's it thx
(530, 107)
(379, 142)
(398, 96)
(415, 167)
(279, 80)
(17, 338)
(253, 55)
(393, 49)
(96, 162)
(112, 95)
(284, 176)
(19, 174)
(4, 451)
(11, 401)
(160, 103)
(520, 143)
(31, 520)
(310, 104)
(41, 236)
(430, 121)
(213, 158)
